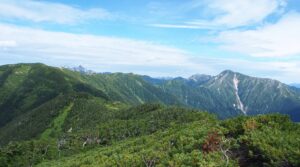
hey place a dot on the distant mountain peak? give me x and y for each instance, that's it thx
(200, 77)
(82, 70)
(227, 72)
(225, 76)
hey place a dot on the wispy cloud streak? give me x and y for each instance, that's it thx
(226, 14)
(42, 11)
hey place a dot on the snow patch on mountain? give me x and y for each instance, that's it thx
(240, 105)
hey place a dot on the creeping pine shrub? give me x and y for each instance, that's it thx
(250, 125)
(211, 143)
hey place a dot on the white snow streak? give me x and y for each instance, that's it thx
(240, 105)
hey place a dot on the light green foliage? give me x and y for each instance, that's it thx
(56, 127)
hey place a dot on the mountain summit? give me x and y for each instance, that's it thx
(200, 77)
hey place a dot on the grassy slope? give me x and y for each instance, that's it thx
(57, 123)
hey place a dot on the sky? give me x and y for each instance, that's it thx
(155, 37)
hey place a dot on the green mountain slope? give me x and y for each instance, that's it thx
(127, 88)
(32, 96)
(30, 92)
(254, 96)
(230, 94)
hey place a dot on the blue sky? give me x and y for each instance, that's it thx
(158, 37)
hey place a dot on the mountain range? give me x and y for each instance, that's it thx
(48, 113)
(25, 87)
(244, 94)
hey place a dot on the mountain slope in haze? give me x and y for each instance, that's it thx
(229, 94)
(296, 85)
(254, 96)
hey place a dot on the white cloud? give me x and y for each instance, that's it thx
(230, 13)
(6, 44)
(270, 40)
(96, 51)
(236, 13)
(284, 71)
(118, 54)
(41, 11)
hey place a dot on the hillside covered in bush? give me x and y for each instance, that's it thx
(58, 117)
(155, 135)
